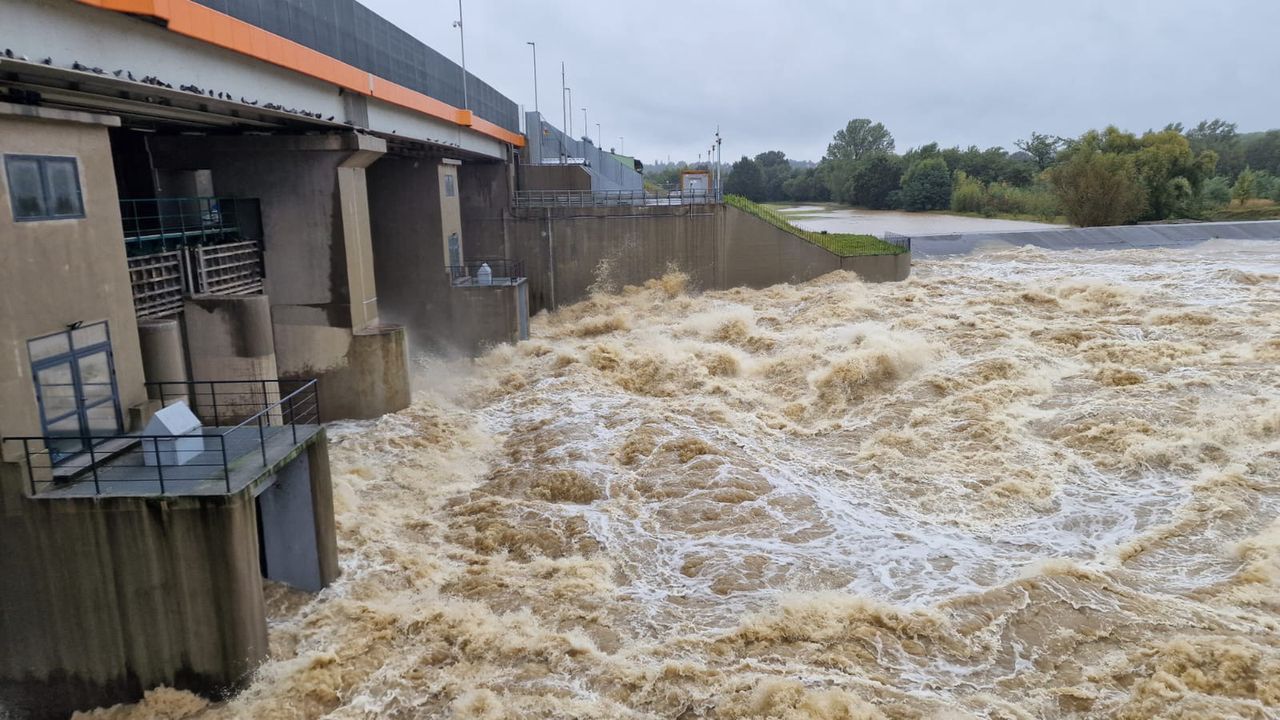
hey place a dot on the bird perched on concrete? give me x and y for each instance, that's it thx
(118, 73)
(75, 65)
(47, 61)
(8, 53)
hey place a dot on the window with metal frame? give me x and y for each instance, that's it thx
(75, 380)
(449, 189)
(44, 187)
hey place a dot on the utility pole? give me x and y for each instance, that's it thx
(462, 35)
(717, 162)
(534, 45)
(564, 114)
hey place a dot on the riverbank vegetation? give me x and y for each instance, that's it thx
(1109, 176)
(842, 244)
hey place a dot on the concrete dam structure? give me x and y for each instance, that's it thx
(1099, 238)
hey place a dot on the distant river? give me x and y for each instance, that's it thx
(877, 222)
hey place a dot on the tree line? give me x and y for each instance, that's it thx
(1103, 177)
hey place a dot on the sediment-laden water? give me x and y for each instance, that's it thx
(1022, 484)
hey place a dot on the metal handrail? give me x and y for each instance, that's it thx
(613, 198)
(300, 406)
(502, 271)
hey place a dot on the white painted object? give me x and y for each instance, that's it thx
(484, 276)
(188, 441)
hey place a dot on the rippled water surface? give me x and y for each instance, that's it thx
(1022, 484)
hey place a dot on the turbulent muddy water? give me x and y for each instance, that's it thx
(1022, 484)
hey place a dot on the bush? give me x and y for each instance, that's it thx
(967, 194)
(1098, 188)
(927, 185)
(1216, 191)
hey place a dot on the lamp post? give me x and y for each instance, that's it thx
(622, 144)
(585, 131)
(570, 91)
(598, 136)
(534, 45)
(462, 36)
(564, 115)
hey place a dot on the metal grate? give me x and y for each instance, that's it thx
(157, 284)
(231, 269)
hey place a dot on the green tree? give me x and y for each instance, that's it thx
(927, 185)
(1246, 187)
(1044, 148)
(1098, 188)
(1263, 152)
(873, 181)
(775, 170)
(1171, 172)
(1220, 137)
(745, 179)
(859, 138)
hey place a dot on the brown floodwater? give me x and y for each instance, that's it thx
(1021, 484)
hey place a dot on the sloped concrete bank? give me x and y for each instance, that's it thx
(1099, 238)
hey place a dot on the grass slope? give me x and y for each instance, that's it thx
(842, 244)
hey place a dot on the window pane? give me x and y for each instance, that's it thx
(95, 377)
(102, 419)
(89, 335)
(57, 391)
(26, 193)
(449, 189)
(63, 192)
(47, 347)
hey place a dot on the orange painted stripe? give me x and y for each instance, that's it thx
(205, 24)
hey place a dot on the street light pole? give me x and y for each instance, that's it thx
(570, 91)
(534, 45)
(564, 115)
(622, 145)
(598, 136)
(462, 35)
(585, 131)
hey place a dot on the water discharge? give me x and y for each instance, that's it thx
(1022, 484)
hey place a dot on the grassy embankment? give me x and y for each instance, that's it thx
(1251, 210)
(842, 244)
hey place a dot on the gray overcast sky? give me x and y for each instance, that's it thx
(787, 75)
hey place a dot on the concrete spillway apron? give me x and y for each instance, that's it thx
(1100, 238)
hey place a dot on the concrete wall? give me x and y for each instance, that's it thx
(410, 218)
(105, 598)
(485, 201)
(1100, 238)
(567, 250)
(555, 177)
(57, 272)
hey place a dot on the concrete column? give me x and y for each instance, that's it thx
(229, 337)
(163, 359)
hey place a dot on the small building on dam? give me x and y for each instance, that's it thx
(221, 226)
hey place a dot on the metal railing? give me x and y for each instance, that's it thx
(613, 198)
(266, 415)
(162, 224)
(501, 272)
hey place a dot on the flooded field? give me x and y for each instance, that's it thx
(1022, 484)
(876, 222)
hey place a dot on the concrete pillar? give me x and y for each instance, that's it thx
(229, 337)
(163, 360)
